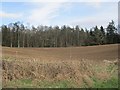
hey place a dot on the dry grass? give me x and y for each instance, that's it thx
(78, 71)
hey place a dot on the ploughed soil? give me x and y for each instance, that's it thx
(100, 52)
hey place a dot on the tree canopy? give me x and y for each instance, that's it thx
(18, 35)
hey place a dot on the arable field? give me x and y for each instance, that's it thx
(70, 67)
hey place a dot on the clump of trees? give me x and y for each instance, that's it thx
(19, 35)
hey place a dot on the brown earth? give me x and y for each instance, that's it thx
(101, 52)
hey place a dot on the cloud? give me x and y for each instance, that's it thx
(9, 15)
(46, 13)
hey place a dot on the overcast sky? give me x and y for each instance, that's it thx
(84, 14)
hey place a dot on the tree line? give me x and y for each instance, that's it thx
(18, 35)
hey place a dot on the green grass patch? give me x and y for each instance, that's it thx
(111, 83)
(56, 84)
(23, 83)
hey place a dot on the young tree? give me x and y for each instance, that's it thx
(11, 34)
(97, 35)
(103, 35)
(111, 29)
(5, 35)
(77, 35)
(22, 35)
(17, 29)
